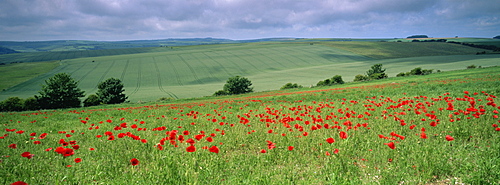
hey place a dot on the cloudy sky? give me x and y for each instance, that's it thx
(33, 20)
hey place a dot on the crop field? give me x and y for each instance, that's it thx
(196, 71)
(436, 129)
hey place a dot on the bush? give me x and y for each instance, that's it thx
(471, 66)
(337, 79)
(221, 93)
(291, 86)
(360, 78)
(236, 85)
(378, 76)
(31, 103)
(401, 74)
(60, 91)
(92, 100)
(163, 99)
(111, 91)
(416, 71)
(12, 104)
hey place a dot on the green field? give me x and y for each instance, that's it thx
(196, 71)
(435, 129)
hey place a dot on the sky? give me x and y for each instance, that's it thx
(112, 20)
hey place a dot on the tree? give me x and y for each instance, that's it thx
(337, 79)
(111, 91)
(360, 78)
(376, 72)
(31, 103)
(60, 91)
(238, 85)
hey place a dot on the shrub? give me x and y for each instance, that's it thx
(162, 99)
(337, 79)
(360, 78)
(111, 91)
(291, 86)
(378, 76)
(416, 71)
(60, 91)
(92, 100)
(31, 103)
(471, 66)
(401, 74)
(12, 104)
(221, 93)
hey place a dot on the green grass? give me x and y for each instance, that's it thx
(13, 74)
(363, 158)
(196, 71)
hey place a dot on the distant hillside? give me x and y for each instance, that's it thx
(4, 50)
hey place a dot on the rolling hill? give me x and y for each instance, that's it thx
(195, 71)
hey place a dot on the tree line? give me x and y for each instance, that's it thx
(62, 91)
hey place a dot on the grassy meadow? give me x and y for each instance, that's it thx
(197, 71)
(435, 129)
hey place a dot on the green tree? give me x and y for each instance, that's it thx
(238, 85)
(92, 100)
(376, 72)
(60, 91)
(337, 79)
(111, 91)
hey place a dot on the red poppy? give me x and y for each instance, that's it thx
(390, 145)
(336, 151)
(27, 155)
(330, 140)
(191, 148)
(214, 149)
(19, 183)
(134, 162)
(209, 139)
(263, 151)
(290, 148)
(48, 149)
(76, 147)
(343, 135)
(37, 142)
(449, 138)
(327, 153)
(423, 135)
(77, 160)
(13, 146)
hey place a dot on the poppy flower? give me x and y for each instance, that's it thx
(27, 155)
(214, 149)
(134, 162)
(190, 148)
(336, 151)
(327, 153)
(78, 160)
(13, 146)
(290, 148)
(343, 135)
(263, 151)
(19, 183)
(330, 140)
(209, 139)
(390, 145)
(449, 138)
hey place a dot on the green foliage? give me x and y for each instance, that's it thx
(111, 91)
(12, 104)
(496, 37)
(60, 91)
(221, 93)
(401, 74)
(31, 103)
(471, 66)
(238, 85)
(417, 36)
(165, 99)
(360, 78)
(291, 86)
(376, 72)
(92, 100)
(337, 79)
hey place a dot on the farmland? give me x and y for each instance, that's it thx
(195, 71)
(440, 128)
